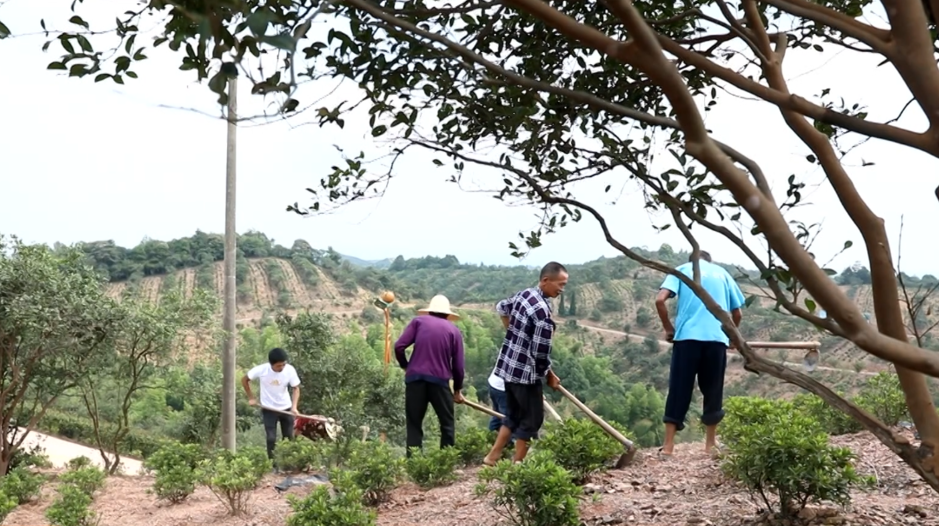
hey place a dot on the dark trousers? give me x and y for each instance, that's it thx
(417, 395)
(271, 420)
(690, 359)
(500, 405)
(524, 406)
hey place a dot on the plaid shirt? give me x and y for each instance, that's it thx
(525, 356)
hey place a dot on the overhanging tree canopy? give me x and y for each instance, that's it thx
(578, 90)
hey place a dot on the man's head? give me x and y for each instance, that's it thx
(553, 279)
(278, 359)
(704, 255)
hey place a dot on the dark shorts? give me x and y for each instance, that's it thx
(524, 409)
(705, 362)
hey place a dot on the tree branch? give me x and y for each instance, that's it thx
(876, 39)
(913, 55)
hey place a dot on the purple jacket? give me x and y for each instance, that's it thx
(438, 351)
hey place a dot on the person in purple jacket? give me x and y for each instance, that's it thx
(437, 358)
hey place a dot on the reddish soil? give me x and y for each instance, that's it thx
(687, 489)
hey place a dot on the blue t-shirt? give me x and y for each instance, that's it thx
(694, 322)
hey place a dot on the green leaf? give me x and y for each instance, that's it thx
(131, 74)
(56, 65)
(67, 45)
(283, 41)
(4, 30)
(848, 244)
(102, 76)
(749, 301)
(258, 22)
(129, 45)
(84, 43)
(810, 305)
(77, 20)
(379, 130)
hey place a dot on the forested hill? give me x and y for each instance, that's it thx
(615, 293)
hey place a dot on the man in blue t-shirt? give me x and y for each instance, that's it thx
(699, 347)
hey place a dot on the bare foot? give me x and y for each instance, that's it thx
(663, 452)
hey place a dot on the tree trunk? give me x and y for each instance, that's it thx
(890, 323)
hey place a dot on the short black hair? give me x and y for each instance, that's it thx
(703, 254)
(439, 315)
(551, 270)
(277, 355)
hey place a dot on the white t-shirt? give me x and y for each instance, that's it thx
(274, 392)
(495, 382)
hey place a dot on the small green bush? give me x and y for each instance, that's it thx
(232, 476)
(340, 507)
(474, 444)
(34, 457)
(774, 449)
(175, 466)
(79, 462)
(832, 420)
(88, 479)
(21, 485)
(80, 429)
(537, 492)
(580, 446)
(296, 456)
(434, 467)
(883, 397)
(71, 508)
(375, 469)
(7, 504)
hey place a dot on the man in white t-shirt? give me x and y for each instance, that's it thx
(275, 377)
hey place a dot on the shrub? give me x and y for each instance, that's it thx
(175, 466)
(883, 397)
(79, 462)
(474, 444)
(21, 485)
(433, 468)
(80, 429)
(35, 456)
(832, 420)
(7, 504)
(88, 479)
(71, 508)
(375, 469)
(341, 507)
(774, 449)
(580, 446)
(231, 476)
(295, 456)
(537, 492)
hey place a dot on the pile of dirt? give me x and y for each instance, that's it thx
(687, 489)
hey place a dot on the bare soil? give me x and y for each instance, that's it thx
(262, 289)
(189, 281)
(687, 489)
(295, 285)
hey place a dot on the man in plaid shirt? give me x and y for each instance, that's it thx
(525, 360)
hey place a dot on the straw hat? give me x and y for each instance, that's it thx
(441, 305)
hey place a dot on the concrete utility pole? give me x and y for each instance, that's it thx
(228, 320)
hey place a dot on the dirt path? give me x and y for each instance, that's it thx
(262, 290)
(188, 279)
(295, 285)
(150, 289)
(60, 451)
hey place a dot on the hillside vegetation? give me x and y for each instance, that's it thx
(615, 294)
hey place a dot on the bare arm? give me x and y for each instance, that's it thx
(246, 384)
(296, 398)
(662, 309)
(737, 316)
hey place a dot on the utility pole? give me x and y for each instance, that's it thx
(228, 318)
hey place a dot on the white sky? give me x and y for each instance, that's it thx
(81, 161)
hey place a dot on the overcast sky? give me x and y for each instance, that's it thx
(81, 161)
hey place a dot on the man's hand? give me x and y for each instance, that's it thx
(252, 402)
(458, 397)
(295, 411)
(553, 381)
(670, 336)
